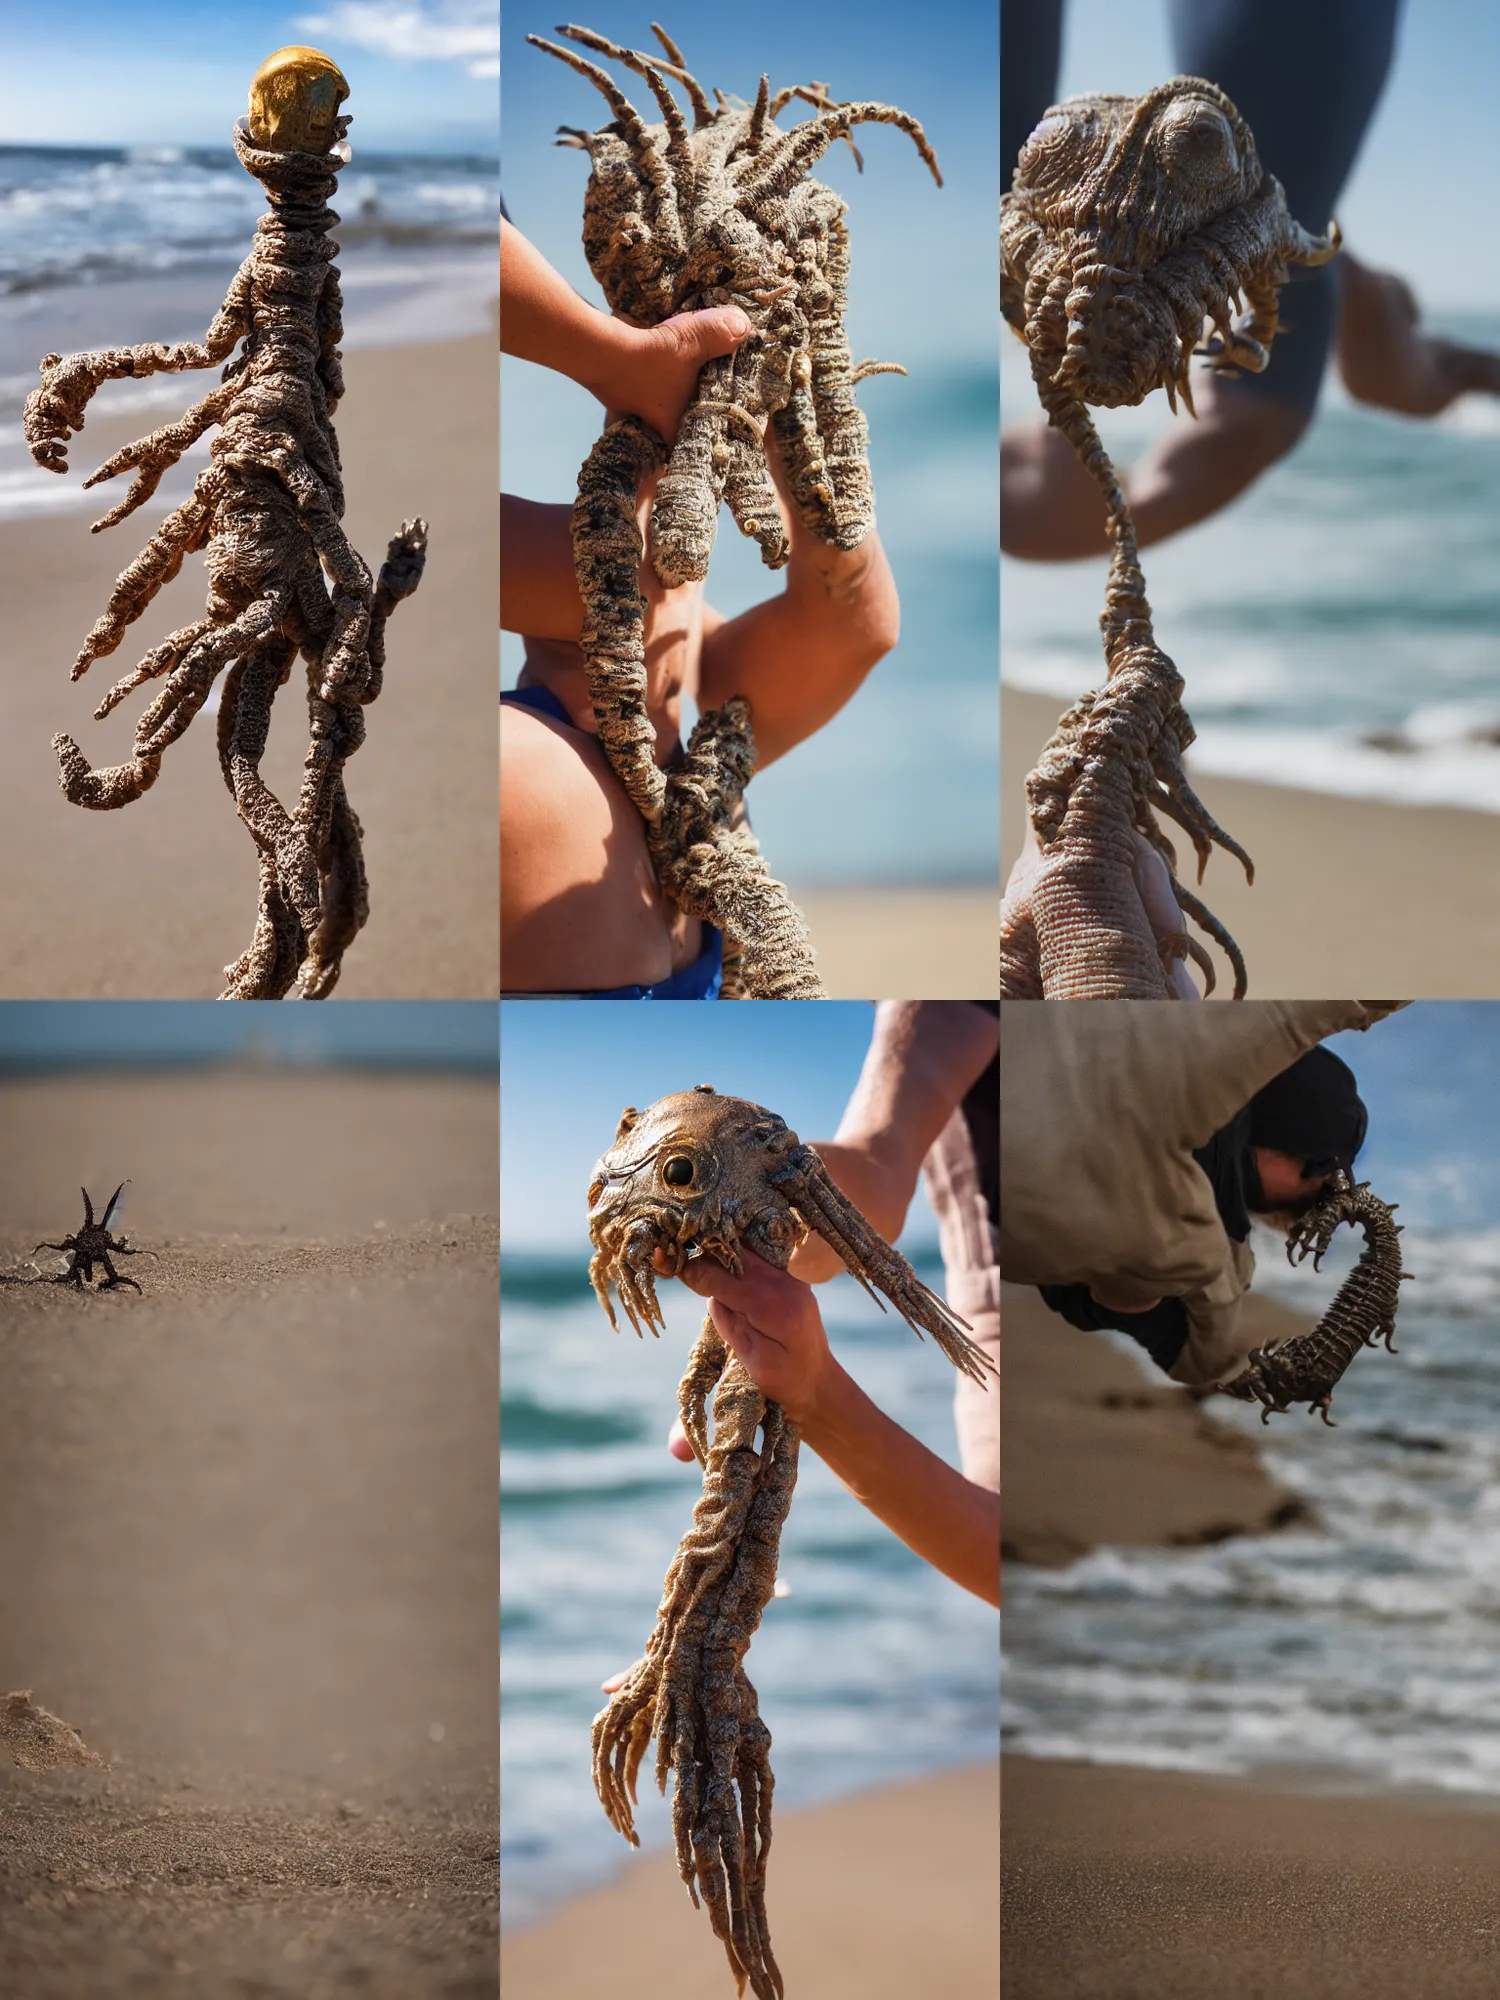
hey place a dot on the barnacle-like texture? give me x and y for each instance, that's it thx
(703, 1175)
(37, 1740)
(1309, 1368)
(283, 576)
(1130, 222)
(677, 218)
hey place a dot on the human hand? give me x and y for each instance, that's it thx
(652, 372)
(1153, 883)
(770, 1321)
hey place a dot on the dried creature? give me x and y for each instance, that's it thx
(1309, 1368)
(94, 1245)
(283, 576)
(703, 1175)
(676, 220)
(1130, 222)
(36, 1740)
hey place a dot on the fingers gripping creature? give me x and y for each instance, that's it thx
(700, 1175)
(93, 1244)
(677, 219)
(1309, 1368)
(1130, 222)
(283, 576)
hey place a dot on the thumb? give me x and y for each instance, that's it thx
(699, 336)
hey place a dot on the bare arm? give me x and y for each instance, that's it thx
(798, 657)
(649, 371)
(770, 1320)
(538, 585)
(923, 1056)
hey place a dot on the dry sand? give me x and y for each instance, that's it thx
(884, 1896)
(1144, 1464)
(154, 900)
(1350, 895)
(1133, 1885)
(248, 1537)
(905, 944)
(1128, 1884)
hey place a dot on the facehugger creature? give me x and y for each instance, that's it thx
(1309, 1368)
(1129, 223)
(703, 1175)
(93, 1245)
(676, 220)
(283, 577)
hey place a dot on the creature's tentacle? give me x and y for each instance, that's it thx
(650, 165)
(843, 434)
(686, 506)
(1309, 1368)
(702, 110)
(706, 1364)
(55, 410)
(607, 556)
(823, 1205)
(182, 533)
(750, 493)
(679, 146)
(781, 166)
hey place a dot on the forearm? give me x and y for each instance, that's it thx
(538, 585)
(542, 319)
(941, 1516)
(798, 658)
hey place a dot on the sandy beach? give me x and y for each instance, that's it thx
(248, 1535)
(904, 944)
(154, 900)
(1350, 895)
(877, 1897)
(1148, 1466)
(1123, 1883)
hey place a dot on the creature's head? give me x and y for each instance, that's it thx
(1108, 195)
(693, 1175)
(294, 102)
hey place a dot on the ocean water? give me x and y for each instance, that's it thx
(902, 785)
(872, 1666)
(111, 247)
(1338, 627)
(1368, 1647)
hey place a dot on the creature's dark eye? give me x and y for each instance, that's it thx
(1196, 143)
(678, 1172)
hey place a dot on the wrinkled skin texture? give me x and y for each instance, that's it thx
(1309, 1368)
(283, 577)
(93, 1245)
(675, 220)
(1130, 222)
(703, 1175)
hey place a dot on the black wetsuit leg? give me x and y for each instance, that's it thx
(1306, 76)
(1030, 55)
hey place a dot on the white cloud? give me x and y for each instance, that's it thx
(466, 31)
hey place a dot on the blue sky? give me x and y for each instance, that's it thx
(1421, 200)
(567, 1071)
(1430, 1077)
(925, 259)
(422, 73)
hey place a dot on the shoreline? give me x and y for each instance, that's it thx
(873, 1897)
(1337, 880)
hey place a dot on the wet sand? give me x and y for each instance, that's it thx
(154, 900)
(905, 944)
(248, 1534)
(1128, 1885)
(1095, 1450)
(1350, 895)
(878, 1897)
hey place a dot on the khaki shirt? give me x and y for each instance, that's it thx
(1102, 1106)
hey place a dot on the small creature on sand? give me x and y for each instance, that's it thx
(695, 1175)
(268, 512)
(94, 1245)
